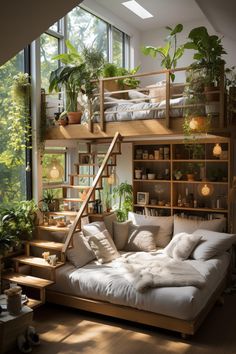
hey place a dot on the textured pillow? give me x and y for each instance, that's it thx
(182, 245)
(93, 228)
(141, 238)
(189, 225)
(103, 247)
(212, 244)
(133, 94)
(165, 224)
(81, 252)
(108, 221)
(121, 233)
(112, 101)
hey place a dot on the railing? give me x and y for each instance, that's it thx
(89, 194)
(168, 88)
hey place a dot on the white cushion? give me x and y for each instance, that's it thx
(189, 225)
(81, 253)
(212, 244)
(141, 238)
(93, 228)
(165, 224)
(103, 247)
(134, 94)
(182, 245)
(121, 233)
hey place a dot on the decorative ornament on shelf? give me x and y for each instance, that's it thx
(217, 150)
(205, 189)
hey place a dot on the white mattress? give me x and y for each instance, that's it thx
(105, 282)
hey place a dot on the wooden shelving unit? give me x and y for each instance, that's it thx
(168, 195)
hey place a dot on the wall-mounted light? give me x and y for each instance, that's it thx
(113, 178)
(217, 150)
(28, 167)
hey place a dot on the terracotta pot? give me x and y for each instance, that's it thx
(74, 117)
(190, 177)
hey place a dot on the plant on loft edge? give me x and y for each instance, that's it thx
(170, 53)
(74, 77)
(124, 193)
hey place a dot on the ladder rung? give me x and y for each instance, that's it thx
(56, 246)
(36, 262)
(27, 280)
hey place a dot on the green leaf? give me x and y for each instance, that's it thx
(178, 28)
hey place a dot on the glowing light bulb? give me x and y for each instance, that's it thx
(54, 172)
(205, 191)
(217, 150)
(193, 124)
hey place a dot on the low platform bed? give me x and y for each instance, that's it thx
(137, 271)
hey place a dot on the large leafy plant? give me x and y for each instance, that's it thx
(170, 53)
(112, 70)
(74, 76)
(18, 221)
(124, 193)
(209, 51)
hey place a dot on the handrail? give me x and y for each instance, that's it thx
(90, 192)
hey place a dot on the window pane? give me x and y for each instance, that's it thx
(54, 166)
(117, 47)
(55, 27)
(12, 155)
(48, 48)
(85, 29)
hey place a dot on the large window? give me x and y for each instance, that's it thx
(49, 47)
(12, 151)
(86, 29)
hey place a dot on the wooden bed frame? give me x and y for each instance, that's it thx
(185, 327)
(136, 128)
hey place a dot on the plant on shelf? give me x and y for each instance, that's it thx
(74, 77)
(170, 53)
(124, 193)
(17, 222)
(49, 202)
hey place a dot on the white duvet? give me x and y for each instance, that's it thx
(108, 282)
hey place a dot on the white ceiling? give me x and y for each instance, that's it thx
(166, 12)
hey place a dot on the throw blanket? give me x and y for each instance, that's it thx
(149, 270)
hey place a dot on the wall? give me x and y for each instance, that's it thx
(124, 168)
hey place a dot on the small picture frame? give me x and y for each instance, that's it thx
(84, 159)
(142, 198)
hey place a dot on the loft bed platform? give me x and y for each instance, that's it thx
(156, 108)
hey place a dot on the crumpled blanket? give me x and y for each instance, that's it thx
(149, 270)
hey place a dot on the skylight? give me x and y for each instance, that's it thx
(137, 9)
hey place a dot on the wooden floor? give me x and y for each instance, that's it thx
(67, 331)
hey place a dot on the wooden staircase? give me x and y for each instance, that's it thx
(37, 246)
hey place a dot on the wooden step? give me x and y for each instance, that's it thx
(33, 303)
(27, 280)
(50, 245)
(76, 200)
(62, 213)
(36, 262)
(86, 175)
(53, 228)
(74, 187)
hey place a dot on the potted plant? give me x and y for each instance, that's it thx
(208, 57)
(18, 221)
(124, 193)
(74, 77)
(49, 202)
(170, 53)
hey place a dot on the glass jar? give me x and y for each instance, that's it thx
(14, 304)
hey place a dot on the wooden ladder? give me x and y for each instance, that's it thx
(60, 248)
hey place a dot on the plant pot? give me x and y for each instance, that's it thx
(210, 95)
(190, 176)
(74, 117)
